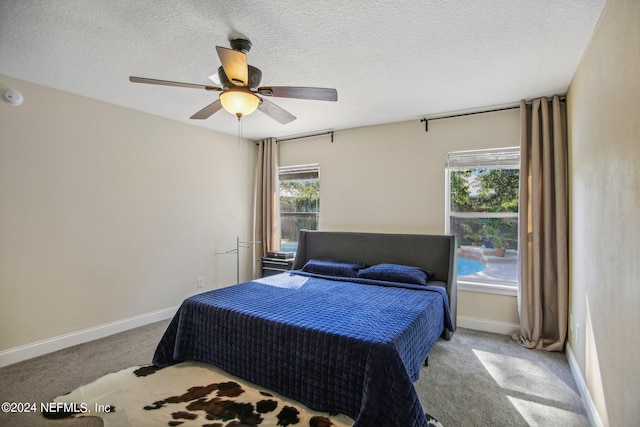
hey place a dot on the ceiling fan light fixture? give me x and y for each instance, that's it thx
(239, 102)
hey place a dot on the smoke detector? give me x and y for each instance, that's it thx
(12, 97)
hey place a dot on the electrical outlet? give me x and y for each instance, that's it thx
(199, 282)
(571, 322)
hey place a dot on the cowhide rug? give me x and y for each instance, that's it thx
(187, 394)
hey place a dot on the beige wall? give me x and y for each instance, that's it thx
(390, 178)
(107, 213)
(604, 135)
(368, 172)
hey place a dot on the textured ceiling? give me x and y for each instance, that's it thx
(389, 60)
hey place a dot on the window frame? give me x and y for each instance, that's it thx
(507, 158)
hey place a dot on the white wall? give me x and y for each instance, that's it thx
(390, 178)
(603, 112)
(107, 213)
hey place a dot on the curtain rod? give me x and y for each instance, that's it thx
(450, 116)
(291, 138)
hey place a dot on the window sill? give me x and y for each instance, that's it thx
(488, 288)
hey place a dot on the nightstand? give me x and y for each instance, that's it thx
(271, 266)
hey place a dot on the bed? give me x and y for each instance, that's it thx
(336, 340)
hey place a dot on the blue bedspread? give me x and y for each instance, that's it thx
(333, 345)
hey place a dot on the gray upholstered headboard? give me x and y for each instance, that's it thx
(434, 252)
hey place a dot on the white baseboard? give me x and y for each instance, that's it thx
(488, 325)
(589, 406)
(38, 348)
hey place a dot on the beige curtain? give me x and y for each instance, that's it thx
(544, 278)
(267, 201)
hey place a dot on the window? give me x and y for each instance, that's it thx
(482, 211)
(299, 203)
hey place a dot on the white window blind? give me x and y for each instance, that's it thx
(499, 157)
(290, 173)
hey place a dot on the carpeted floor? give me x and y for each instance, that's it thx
(45, 377)
(484, 379)
(476, 379)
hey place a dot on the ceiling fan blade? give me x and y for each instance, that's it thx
(317, 93)
(208, 111)
(134, 79)
(278, 114)
(234, 64)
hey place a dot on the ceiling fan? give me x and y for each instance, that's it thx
(239, 91)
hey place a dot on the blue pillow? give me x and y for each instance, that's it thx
(333, 267)
(396, 273)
